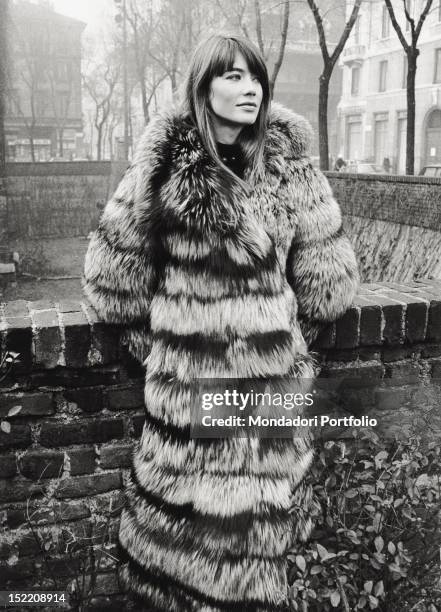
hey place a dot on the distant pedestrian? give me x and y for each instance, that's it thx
(386, 165)
(339, 164)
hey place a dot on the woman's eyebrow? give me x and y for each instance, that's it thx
(235, 69)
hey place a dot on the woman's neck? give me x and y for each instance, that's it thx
(225, 132)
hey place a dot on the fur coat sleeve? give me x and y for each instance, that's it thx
(321, 266)
(121, 266)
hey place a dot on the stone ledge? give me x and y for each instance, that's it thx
(385, 178)
(69, 334)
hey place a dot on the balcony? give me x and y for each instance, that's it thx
(353, 54)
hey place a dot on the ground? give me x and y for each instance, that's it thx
(51, 269)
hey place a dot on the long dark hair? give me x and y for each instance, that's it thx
(213, 57)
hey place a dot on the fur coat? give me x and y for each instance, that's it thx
(210, 283)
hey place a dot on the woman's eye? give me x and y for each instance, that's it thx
(234, 77)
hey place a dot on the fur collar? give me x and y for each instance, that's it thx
(177, 180)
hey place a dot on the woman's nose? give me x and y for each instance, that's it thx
(250, 87)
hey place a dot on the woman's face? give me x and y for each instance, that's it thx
(236, 95)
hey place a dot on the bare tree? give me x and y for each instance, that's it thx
(114, 120)
(60, 100)
(148, 73)
(281, 51)
(412, 53)
(178, 26)
(166, 46)
(100, 84)
(285, 6)
(235, 13)
(329, 61)
(264, 22)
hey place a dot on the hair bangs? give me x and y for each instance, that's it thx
(222, 58)
(255, 64)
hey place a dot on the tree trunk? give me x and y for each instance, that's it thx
(145, 106)
(31, 144)
(174, 84)
(99, 142)
(410, 141)
(60, 141)
(110, 140)
(323, 118)
(281, 53)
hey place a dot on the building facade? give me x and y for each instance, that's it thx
(43, 99)
(372, 111)
(297, 87)
(297, 84)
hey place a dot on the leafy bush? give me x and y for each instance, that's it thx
(376, 544)
(33, 259)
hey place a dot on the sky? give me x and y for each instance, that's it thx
(89, 11)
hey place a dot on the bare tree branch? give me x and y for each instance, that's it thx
(284, 34)
(422, 18)
(412, 52)
(347, 30)
(409, 17)
(101, 88)
(329, 62)
(320, 29)
(396, 25)
(258, 16)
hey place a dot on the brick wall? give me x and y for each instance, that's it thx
(407, 200)
(58, 199)
(394, 223)
(65, 458)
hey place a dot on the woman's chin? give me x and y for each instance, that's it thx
(247, 120)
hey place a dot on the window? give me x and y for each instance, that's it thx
(355, 81)
(383, 76)
(380, 137)
(434, 121)
(409, 7)
(437, 71)
(385, 23)
(401, 142)
(62, 72)
(439, 10)
(353, 137)
(357, 29)
(404, 74)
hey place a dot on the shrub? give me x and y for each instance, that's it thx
(376, 543)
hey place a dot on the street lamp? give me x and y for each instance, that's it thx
(122, 18)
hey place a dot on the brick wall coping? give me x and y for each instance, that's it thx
(69, 333)
(385, 178)
(75, 168)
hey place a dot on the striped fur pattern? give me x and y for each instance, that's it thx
(210, 283)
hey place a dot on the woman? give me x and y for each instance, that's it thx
(222, 255)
